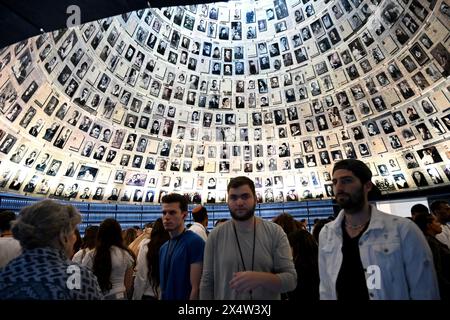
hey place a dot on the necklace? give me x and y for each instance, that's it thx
(253, 250)
(358, 226)
(355, 226)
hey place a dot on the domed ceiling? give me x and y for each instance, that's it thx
(181, 99)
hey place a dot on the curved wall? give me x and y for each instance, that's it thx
(182, 98)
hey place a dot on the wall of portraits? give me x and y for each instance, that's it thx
(132, 107)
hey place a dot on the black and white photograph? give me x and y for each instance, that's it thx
(410, 23)
(405, 89)
(54, 167)
(390, 12)
(429, 155)
(28, 93)
(437, 126)
(22, 67)
(424, 132)
(418, 54)
(434, 175)
(62, 138)
(442, 56)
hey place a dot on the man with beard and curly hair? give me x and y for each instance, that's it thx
(368, 254)
(246, 257)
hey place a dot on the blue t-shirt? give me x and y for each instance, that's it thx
(176, 257)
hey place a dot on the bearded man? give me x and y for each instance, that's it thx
(246, 257)
(368, 254)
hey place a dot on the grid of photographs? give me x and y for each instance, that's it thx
(182, 98)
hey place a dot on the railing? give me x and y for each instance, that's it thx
(131, 215)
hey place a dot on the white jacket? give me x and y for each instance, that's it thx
(394, 244)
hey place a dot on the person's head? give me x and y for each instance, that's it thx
(95, 131)
(441, 209)
(418, 209)
(241, 198)
(86, 191)
(305, 32)
(59, 189)
(428, 224)
(6, 218)
(174, 212)
(33, 154)
(74, 187)
(90, 237)
(287, 222)
(114, 192)
(21, 149)
(200, 215)
(47, 223)
(351, 184)
(107, 134)
(155, 125)
(129, 236)
(7, 142)
(417, 175)
(85, 92)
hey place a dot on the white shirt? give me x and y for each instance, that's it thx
(199, 229)
(80, 256)
(9, 249)
(444, 236)
(142, 285)
(121, 261)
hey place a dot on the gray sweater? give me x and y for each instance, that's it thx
(222, 259)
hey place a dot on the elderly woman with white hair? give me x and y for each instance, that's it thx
(46, 231)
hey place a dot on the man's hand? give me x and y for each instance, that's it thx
(245, 281)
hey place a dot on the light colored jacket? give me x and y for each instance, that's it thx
(391, 243)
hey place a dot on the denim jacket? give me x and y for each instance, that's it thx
(395, 255)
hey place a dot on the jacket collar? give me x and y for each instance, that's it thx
(376, 221)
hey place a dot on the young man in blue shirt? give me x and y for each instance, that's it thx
(181, 258)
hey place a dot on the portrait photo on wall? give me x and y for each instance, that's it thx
(135, 179)
(400, 181)
(434, 175)
(23, 67)
(13, 112)
(419, 54)
(442, 56)
(429, 155)
(87, 173)
(410, 160)
(7, 144)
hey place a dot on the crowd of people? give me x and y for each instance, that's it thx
(361, 253)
